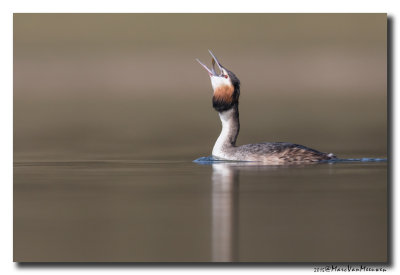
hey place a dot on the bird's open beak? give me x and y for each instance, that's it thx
(212, 71)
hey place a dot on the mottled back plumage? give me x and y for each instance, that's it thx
(281, 152)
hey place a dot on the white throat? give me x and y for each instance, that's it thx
(217, 81)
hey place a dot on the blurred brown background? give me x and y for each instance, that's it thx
(127, 86)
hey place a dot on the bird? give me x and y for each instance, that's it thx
(225, 100)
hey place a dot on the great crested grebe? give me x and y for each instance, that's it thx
(225, 100)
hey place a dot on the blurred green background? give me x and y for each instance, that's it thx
(127, 86)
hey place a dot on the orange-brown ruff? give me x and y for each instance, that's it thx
(226, 88)
(224, 93)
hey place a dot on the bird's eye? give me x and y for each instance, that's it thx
(226, 76)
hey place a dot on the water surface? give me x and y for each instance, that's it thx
(181, 211)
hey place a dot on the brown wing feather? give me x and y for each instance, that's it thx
(285, 152)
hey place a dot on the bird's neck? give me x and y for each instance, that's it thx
(230, 131)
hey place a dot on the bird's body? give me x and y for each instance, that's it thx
(266, 152)
(226, 88)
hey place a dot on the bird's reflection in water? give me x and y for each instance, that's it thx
(225, 212)
(225, 206)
